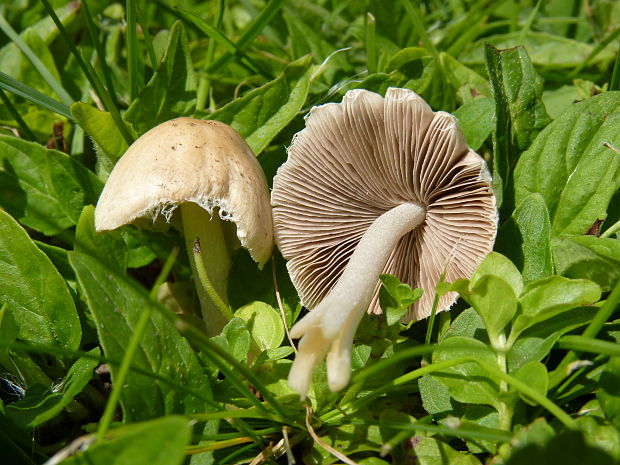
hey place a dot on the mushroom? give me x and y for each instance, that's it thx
(206, 169)
(375, 185)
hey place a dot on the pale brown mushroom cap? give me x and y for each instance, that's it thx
(355, 161)
(190, 160)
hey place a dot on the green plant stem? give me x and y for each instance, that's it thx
(614, 84)
(597, 323)
(205, 81)
(132, 347)
(371, 43)
(210, 262)
(616, 226)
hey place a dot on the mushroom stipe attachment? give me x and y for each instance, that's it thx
(207, 171)
(375, 185)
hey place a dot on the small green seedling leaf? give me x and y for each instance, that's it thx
(395, 298)
(495, 302)
(534, 374)
(264, 323)
(500, 266)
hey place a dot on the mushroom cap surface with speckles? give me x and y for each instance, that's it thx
(358, 159)
(191, 160)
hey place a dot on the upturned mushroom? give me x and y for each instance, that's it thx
(375, 185)
(207, 171)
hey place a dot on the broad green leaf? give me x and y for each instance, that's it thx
(598, 433)
(171, 92)
(534, 374)
(476, 120)
(264, 323)
(44, 189)
(35, 410)
(467, 382)
(519, 114)
(526, 238)
(116, 305)
(110, 250)
(609, 392)
(571, 166)
(529, 349)
(262, 113)
(498, 265)
(589, 257)
(37, 296)
(100, 126)
(468, 323)
(157, 442)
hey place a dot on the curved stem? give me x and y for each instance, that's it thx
(211, 280)
(330, 327)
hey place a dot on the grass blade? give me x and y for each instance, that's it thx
(590, 344)
(614, 84)
(371, 46)
(203, 84)
(33, 95)
(40, 67)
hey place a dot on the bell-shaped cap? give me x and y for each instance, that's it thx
(358, 159)
(190, 160)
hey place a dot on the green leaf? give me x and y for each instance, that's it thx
(104, 246)
(264, 323)
(262, 113)
(44, 189)
(414, 67)
(116, 305)
(534, 374)
(476, 120)
(498, 265)
(235, 339)
(431, 451)
(519, 114)
(35, 410)
(157, 442)
(100, 126)
(171, 92)
(467, 382)
(495, 301)
(572, 168)
(588, 257)
(527, 238)
(37, 296)
(466, 81)
(547, 297)
(608, 393)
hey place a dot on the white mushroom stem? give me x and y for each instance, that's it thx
(207, 228)
(330, 327)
